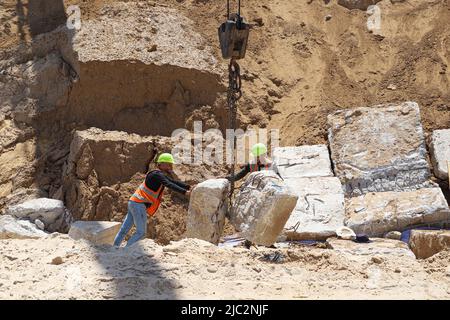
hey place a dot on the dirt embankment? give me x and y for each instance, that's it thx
(148, 68)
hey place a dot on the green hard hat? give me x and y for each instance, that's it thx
(165, 158)
(259, 149)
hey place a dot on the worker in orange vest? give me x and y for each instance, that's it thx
(147, 198)
(261, 162)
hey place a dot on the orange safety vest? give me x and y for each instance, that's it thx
(254, 167)
(144, 194)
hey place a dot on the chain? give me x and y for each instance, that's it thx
(234, 94)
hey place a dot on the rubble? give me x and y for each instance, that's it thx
(373, 248)
(97, 232)
(302, 161)
(377, 149)
(426, 243)
(319, 211)
(50, 212)
(440, 152)
(262, 207)
(380, 212)
(12, 228)
(207, 209)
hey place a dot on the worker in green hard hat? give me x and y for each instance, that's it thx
(259, 162)
(147, 198)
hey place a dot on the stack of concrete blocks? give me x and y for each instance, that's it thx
(262, 207)
(320, 207)
(379, 155)
(208, 206)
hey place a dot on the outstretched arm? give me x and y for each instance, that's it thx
(174, 185)
(241, 174)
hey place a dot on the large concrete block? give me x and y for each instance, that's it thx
(303, 161)
(12, 228)
(262, 207)
(97, 232)
(379, 149)
(440, 152)
(381, 212)
(207, 208)
(425, 243)
(320, 208)
(50, 211)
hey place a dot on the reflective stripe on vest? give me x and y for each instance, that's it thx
(143, 194)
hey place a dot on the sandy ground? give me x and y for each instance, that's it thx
(60, 268)
(299, 68)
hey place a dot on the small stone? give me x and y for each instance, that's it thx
(397, 270)
(153, 48)
(392, 87)
(57, 261)
(328, 17)
(394, 235)
(39, 224)
(212, 269)
(259, 21)
(377, 260)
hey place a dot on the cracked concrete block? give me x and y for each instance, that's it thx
(303, 161)
(380, 212)
(97, 232)
(262, 207)
(377, 149)
(440, 152)
(319, 211)
(207, 208)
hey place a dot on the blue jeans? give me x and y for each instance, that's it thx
(136, 215)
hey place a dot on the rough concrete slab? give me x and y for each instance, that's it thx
(381, 148)
(319, 211)
(426, 243)
(303, 161)
(262, 207)
(440, 152)
(380, 212)
(207, 208)
(97, 232)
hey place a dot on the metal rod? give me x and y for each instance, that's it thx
(239, 8)
(228, 9)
